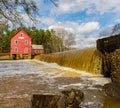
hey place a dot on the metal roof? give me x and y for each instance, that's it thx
(37, 46)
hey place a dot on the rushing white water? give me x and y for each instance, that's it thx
(8, 68)
(20, 79)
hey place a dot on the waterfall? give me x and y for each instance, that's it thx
(88, 60)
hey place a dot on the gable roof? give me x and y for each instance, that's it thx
(20, 31)
(37, 46)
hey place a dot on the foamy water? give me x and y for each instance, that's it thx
(20, 79)
(8, 68)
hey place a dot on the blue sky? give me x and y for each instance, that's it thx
(84, 18)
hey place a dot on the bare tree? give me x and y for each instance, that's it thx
(105, 32)
(66, 39)
(70, 40)
(116, 29)
(12, 10)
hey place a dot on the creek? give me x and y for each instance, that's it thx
(20, 79)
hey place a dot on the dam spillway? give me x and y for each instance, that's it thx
(88, 60)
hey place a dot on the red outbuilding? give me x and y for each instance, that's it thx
(37, 49)
(21, 45)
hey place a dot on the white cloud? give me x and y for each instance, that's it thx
(46, 20)
(83, 41)
(101, 6)
(68, 26)
(66, 6)
(83, 29)
(83, 32)
(107, 5)
(87, 28)
(43, 21)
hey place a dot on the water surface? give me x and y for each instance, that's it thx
(20, 79)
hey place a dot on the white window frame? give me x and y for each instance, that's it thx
(16, 42)
(26, 42)
(21, 35)
(15, 49)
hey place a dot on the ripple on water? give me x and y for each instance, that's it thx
(19, 80)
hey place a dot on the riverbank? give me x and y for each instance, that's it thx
(5, 56)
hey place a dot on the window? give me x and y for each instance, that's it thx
(26, 50)
(37, 51)
(16, 41)
(21, 35)
(26, 41)
(16, 49)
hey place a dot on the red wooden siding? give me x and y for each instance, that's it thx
(37, 51)
(21, 43)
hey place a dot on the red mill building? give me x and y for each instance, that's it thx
(21, 46)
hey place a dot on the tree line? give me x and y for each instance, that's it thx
(9, 14)
(53, 41)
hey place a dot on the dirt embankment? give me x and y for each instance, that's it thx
(5, 56)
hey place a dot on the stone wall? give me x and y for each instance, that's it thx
(110, 52)
(108, 44)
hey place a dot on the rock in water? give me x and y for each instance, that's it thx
(46, 101)
(66, 99)
(113, 89)
(73, 98)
